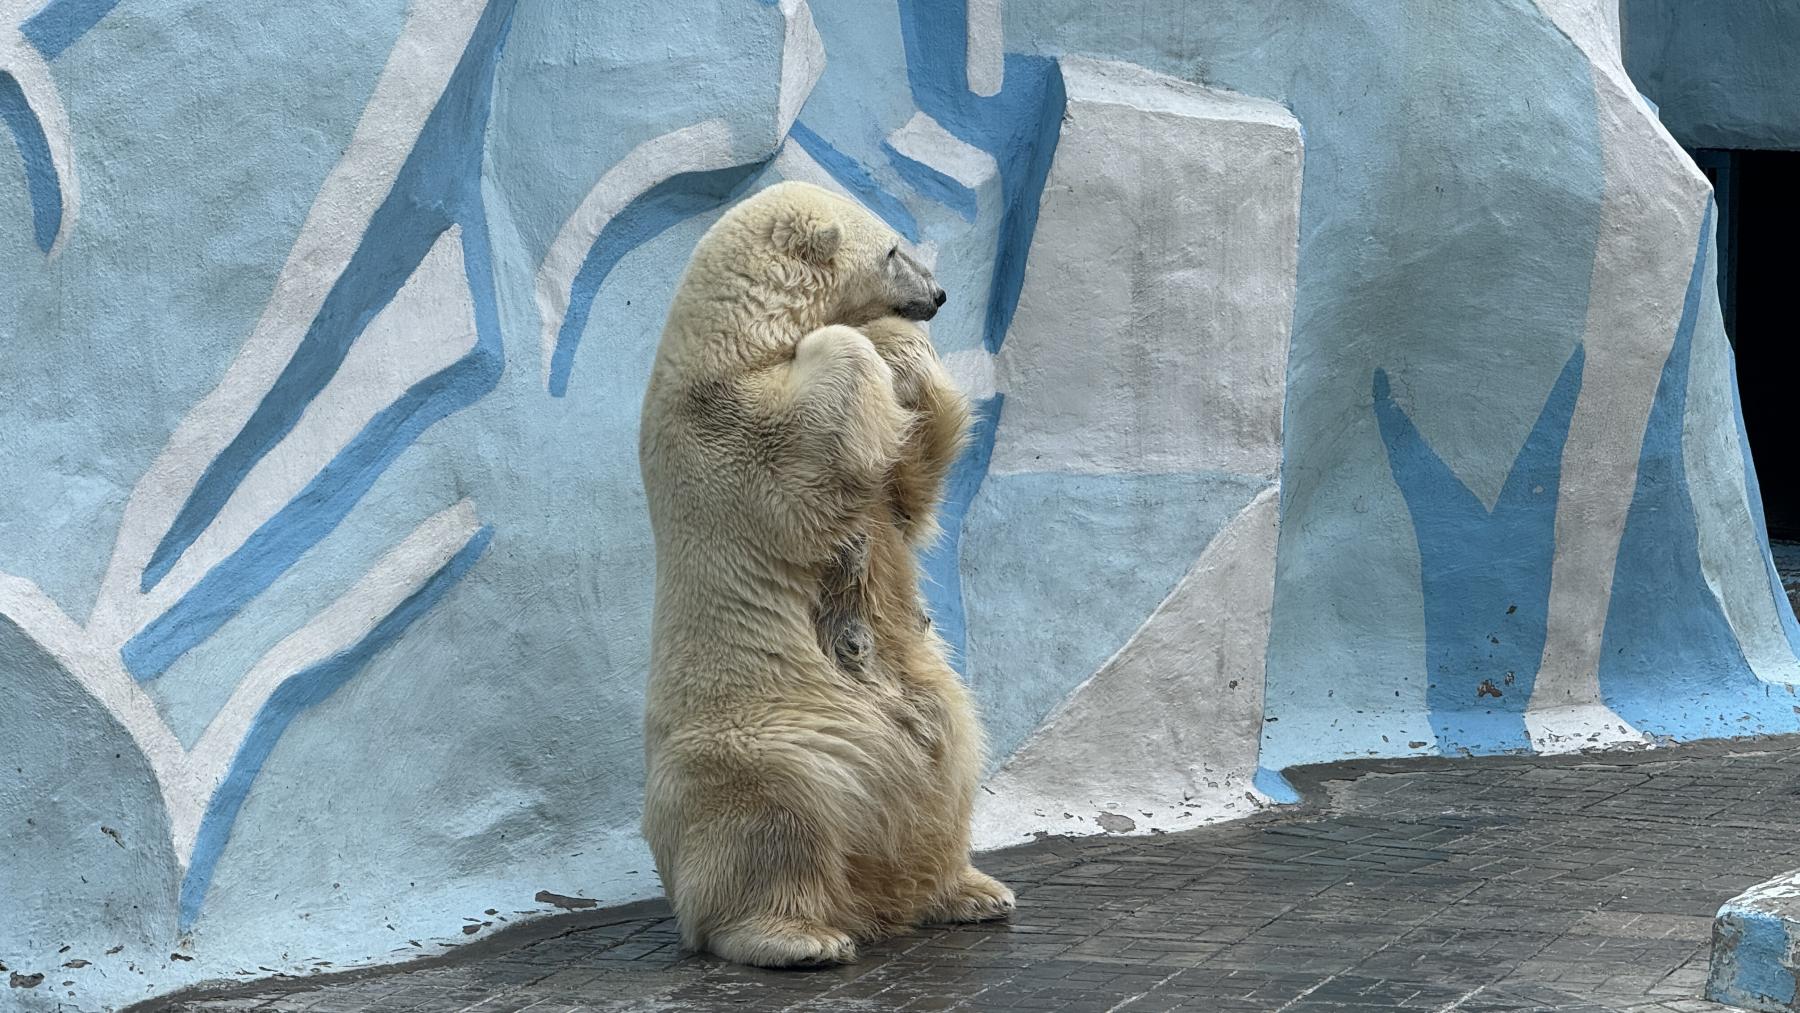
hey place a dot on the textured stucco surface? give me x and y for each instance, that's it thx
(324, 569)
(1144, 368)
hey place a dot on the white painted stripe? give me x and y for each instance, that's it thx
(1574, 727)
(14, 13)
(987, 46)
(1642, 265)
(698, 148)
(22, 60)
(1612, 13)
(339, 626)
(418, 69)
(1781, 891)
(925, 140)
(1110, 82)
(427, 327)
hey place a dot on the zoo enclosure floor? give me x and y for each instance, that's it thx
(1579, 884)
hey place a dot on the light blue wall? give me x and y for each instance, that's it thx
(481, 741)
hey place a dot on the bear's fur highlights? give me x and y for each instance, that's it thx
(812, 758)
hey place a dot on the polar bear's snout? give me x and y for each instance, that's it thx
(922, 309)
(917, 293)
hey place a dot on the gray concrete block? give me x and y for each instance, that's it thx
(1755, 959)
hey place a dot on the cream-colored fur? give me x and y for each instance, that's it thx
(794, 443)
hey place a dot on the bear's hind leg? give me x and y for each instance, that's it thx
(772, 941)
(768, 887)
(974, 896)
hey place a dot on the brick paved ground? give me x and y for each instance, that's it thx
(1575, 884)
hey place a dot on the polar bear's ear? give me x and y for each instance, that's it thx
(808, 237)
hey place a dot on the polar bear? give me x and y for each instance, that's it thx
(811, 758)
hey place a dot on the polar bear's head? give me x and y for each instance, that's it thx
(856, 268)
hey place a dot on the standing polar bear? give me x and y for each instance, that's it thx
(812, 759)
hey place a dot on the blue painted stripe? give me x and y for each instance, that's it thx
(931, 183)
(34, 150)
(851, 175)
(329, 497)
(398, 241)
(310, 516)
(1752, 967)
(298, 692)
(1485, 575)
(1019, 127)
(56, 25)
(439, 185)
(1272, 784)
(1669, 661)
(1024, 173)
(648, 215)
(942, 562)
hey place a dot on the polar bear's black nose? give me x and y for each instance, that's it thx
(921, 309)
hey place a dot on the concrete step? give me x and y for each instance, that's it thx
(1756, 947)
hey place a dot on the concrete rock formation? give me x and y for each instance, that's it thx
(1754, 946)
(324, 564)
(1144, 367)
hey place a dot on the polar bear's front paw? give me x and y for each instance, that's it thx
(835, 350)
(976, 897)
(784, 943)
(908, 352)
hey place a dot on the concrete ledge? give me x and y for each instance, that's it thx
(1153, 326)
(1756, 947)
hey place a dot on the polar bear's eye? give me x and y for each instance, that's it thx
(892, 250)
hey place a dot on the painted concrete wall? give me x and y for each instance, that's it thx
(1339, 395)
(1721, 74)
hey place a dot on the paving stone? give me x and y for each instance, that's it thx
(1583, 884)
